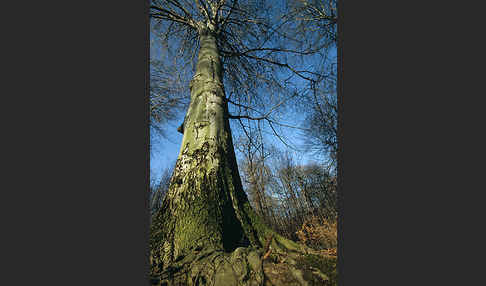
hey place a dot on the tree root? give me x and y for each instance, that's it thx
(246, 266)
(214, 267)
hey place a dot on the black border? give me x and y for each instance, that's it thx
(76, 159)
(78, 144)
(340, 144)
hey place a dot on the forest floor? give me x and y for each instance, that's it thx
(294, 269)
(279, 269)
(275, 264)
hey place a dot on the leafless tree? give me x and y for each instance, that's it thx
(159, 189)
(245, 65)
(317, 20)
(298, 192)
(321, 136)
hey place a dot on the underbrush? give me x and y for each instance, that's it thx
(319, 234)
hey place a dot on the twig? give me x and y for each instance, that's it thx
(267, 249)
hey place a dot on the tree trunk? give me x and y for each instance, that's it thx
(205, 218)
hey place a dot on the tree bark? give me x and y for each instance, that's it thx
(206, 216)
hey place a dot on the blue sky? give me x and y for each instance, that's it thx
(165, 150)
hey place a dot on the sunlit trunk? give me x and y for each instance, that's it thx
(205, 206)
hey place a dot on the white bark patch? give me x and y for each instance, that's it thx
(199, 129)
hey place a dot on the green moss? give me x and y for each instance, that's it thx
(287, 244)
(326, 265)
(225, 275)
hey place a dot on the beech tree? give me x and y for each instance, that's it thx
(206, 232)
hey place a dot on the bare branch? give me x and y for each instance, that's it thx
(171, 15)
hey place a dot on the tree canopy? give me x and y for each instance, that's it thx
(272, 53)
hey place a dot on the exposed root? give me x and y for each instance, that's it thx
(249, 266)
(213, 268)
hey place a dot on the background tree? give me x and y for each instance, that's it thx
(317, 23)
(256, 174)
(321, 134)
(158, 190)
(166, 99)
(299, 193)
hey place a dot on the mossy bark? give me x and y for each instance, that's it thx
(205, 209)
